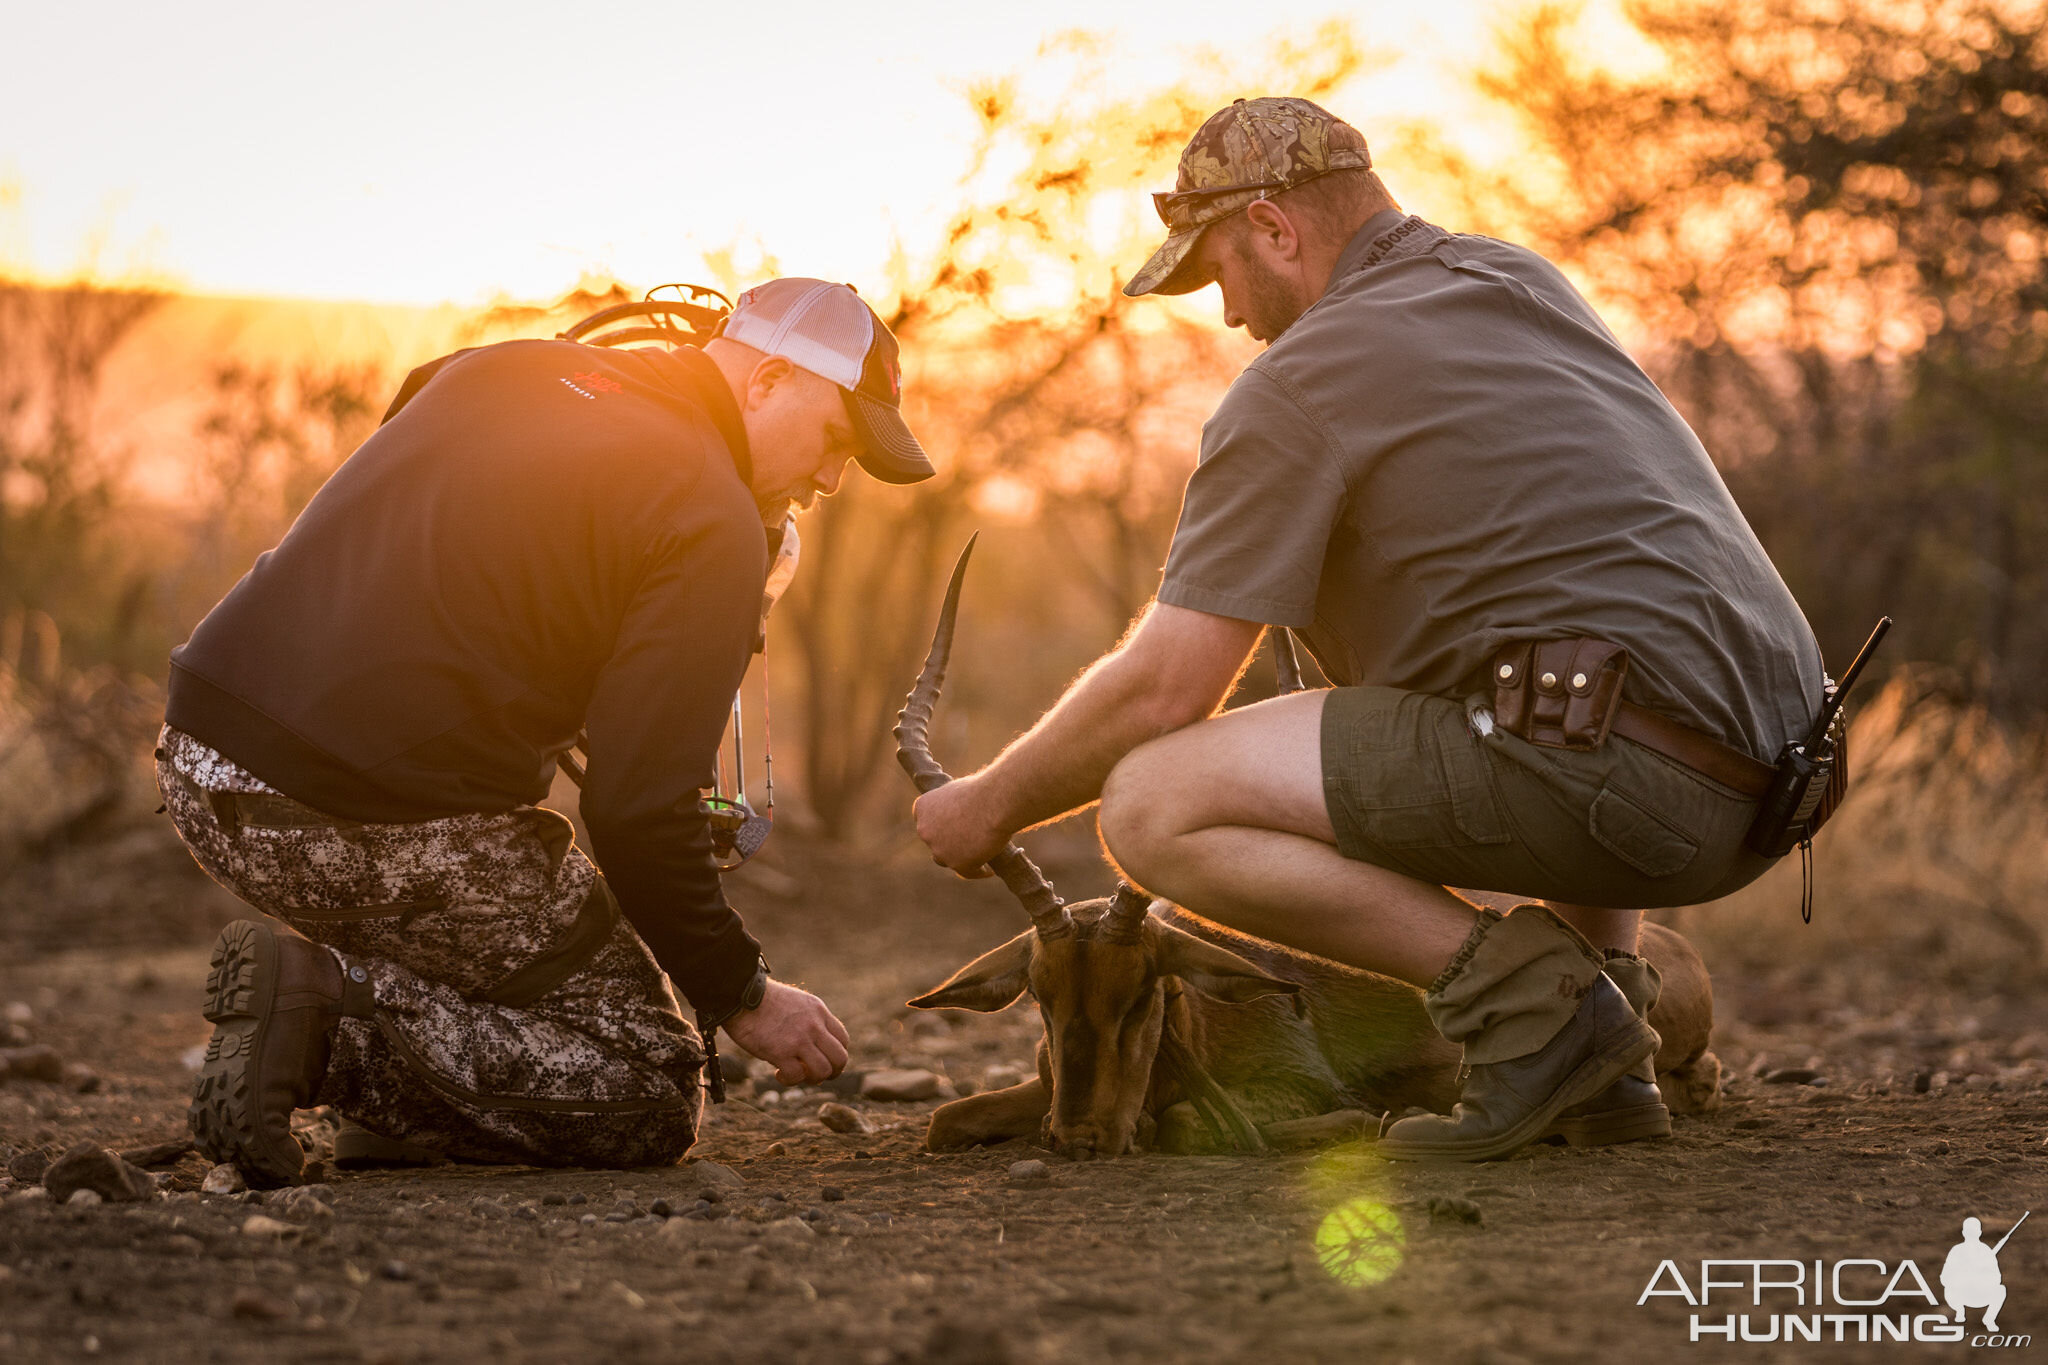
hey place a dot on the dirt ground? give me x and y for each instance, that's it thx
(1921, 1111)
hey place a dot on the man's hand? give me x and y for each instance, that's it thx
(793, 1032)
(957, 826)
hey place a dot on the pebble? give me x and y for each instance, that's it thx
(84, 1199)
(554, 1199)
(28, 1167)
(91, 1166)
(778, 1149)
(579, 1198)
(258, 1306)
(900, 1086)
(1029, 1170)
(395, 1270)
(843, 1118)
(37, 1062)
(306, 1202)
(223, 1179)
(661, 1208)
(715, 1174)
(81, 1079)
(260, 1225)
(588, 1220)
(1450, 1209)
(832, 1194)
(184, 1244)
(795, 1229)
(615, 1217)
(483, 1206)
(527, 1212)
(1794, 1075)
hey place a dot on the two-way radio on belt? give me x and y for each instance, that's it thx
(689, 315)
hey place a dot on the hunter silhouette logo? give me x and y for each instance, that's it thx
(1970, 1278)
(1862, 1299)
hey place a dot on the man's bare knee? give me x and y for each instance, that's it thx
(1136, 817)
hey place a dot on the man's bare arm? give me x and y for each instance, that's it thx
(1175, 668)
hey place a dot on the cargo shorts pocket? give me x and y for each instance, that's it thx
(1402, 770)
(1638, 836)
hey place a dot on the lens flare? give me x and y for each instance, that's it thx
(1360, 1243)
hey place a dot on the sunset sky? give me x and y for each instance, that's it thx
(428, 152)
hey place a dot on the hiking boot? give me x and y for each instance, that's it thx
(273, 999)
(357, 1148)
(1542, 1029)
(1633, 1107)
(1506, 1105)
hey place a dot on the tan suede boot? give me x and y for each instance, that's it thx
(1543, 1030)
(1632, 1108)
(273, 998)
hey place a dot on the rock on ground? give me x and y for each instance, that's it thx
(89, 1166)
(900, 1085)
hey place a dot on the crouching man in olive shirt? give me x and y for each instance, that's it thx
(542, 538)
(1443, 454)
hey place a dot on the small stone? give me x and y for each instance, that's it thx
(39, 1062)
(716, 1175)
(661, 1208)
(1923, 1081)
(261, 1225)
(616, 1217)
(1794, 1075)
(258, 1306)
(84, 1199)
(91, 1166)
(832, 1194)
(223, 1179)
(795, 1229)
(18, 1012)
(81, 1079)
(28, 1167)
(554, 1200)
(843, 1118)
(588, 1220)
(863, 1156)
(778, 1149)
(483, 1206)
(1939, 1147)
(307, 1205)
(1029, 1170)
(184, 1244)
(315, 1172)
(1450, 1209)
(900, 1086)
(526, 1213)
(395, 1270)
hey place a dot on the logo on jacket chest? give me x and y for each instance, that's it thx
(589, 384)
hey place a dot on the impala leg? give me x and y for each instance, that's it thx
(997, 1116)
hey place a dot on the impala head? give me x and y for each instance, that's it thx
(1105, 973)
(1105, 991)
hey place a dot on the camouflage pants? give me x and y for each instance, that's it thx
(518, 1017)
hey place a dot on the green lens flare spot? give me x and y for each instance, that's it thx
(1359, 1243)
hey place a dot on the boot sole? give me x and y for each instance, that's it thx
(241, 983)
(1602, 1129)
(1608, 1064)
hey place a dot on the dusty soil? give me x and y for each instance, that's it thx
(864, 1248)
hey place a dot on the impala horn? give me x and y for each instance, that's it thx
(914, 751)
(1124, 921)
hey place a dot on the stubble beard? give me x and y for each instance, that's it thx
(1270, 305)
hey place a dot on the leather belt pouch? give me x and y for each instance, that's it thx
(1562, 694)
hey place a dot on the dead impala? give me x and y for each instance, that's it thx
(1164, 1029)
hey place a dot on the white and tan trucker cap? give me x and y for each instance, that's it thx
(829, 330)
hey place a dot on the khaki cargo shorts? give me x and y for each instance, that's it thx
(1430, 787)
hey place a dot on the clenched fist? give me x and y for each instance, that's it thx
(794, 1032)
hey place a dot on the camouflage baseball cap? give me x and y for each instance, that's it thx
(1250, 151)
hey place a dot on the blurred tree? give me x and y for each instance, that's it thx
(1826, 220)
(61, 572)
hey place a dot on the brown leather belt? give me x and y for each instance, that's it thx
(1702, 753)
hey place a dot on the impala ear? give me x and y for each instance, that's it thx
(991, 982)
(1214, 971)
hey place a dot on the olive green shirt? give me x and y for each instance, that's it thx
(1450, 451)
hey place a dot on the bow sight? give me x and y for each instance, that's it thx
(675, 315)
